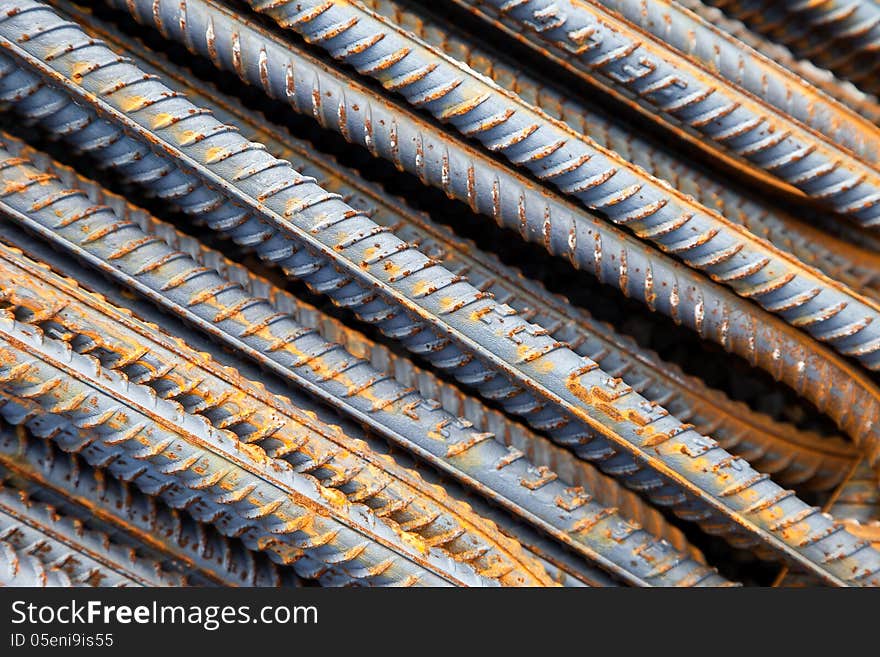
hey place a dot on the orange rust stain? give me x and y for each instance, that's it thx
(256, 453)
(80, 69)
(186, 136)
(334, 497)
(478, 314)
(573, 383)
(414, 541)
(215, 153)
(162, 118)
(610, 411)
(545, 366)
(447, 303)
(422, 288)
(391, 268)
(131, 102)
(291, 205)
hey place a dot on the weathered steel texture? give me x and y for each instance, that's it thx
(335, 462)
(840, 35)
(81, 442)
(96, 240)
(63, 543)
(674, 562)
(314, 451)
(537, 449)
(443, 357)
(845, 91)
(792, 457)
(856, 267)
(562, 565)
(732, 423)
(859, 498)
(857, 504)
(753, 493)
(238, 486)
(601, 179)
(404, 416)
(404, 371)
(18, 568)
(124, 513)
(687, 75)
(469, 175)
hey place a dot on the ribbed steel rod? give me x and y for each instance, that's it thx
(562, 564)
(602, 488)
(240, 487)
(28, 416)
(336, 462)
(687, 75)
(213, 420)
(601, 179)
(583, 380)
(671, 561)
(448, 294)
(467, 174)
(845, 91)
(798, 458)
(60, 542)
(189, 280)
(128, 516)
(536, 448)
(515, 435)
(841, 35)
(858, 268)
(793, 457)
(526, 487)
(857, 504)
(18, 568)
(560, 354)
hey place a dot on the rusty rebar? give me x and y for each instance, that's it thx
(562, 389)
(792, 460)
(63, 543)
(846, 262)
(287, 369)
(839, 35)
(464, 173)
(605, 182)
(150, 367)
(686, 75)
(18, 568)
(846, 92)
(237, 486)
(146, 524)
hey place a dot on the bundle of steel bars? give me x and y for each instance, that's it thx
(460, 293)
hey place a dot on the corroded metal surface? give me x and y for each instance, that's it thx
(156, 442)
(235, 352)
(694, 77)
(862, 101)
(403, 415)
(18, 568)
(467, 174)
(129, 517)
(602, 180)
(61, 543)
(841, 35)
